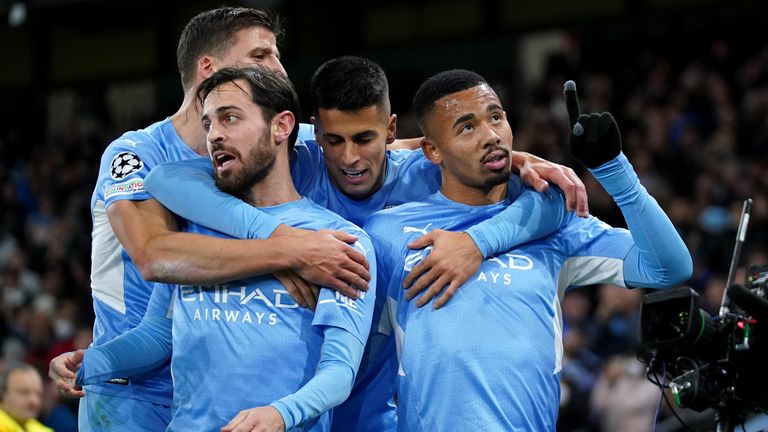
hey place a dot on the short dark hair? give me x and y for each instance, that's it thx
(271, 91)
(439, 86)
(212, 32)
(349, 83)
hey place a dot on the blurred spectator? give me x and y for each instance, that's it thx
(623, 399)
(22, 390)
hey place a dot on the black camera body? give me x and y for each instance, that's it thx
(712, 362)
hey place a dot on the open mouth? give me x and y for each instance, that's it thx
(222, 159)
(496, 160)
(353, 174)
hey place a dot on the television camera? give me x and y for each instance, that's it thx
(712, 362)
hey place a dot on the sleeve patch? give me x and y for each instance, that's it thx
(125, 164)
(125, 188)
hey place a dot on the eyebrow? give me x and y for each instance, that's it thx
(221, 109)
(463, 118)
(494, 107)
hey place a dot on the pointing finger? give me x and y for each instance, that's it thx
(571, 102)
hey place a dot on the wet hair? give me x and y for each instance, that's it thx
(212, 32)
(349, 83)
(439, 86)
(271, 91)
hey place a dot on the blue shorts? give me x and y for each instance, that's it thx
(102, 413)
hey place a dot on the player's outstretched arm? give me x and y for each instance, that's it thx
(148, 233)
(659, 257)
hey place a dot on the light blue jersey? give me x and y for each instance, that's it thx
(247, 343)
(409, 176)
(491, 358)
(120, 294)
(184, 186)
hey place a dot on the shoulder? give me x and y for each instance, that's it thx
(35, 426)
(406, 157)
(139, 144)
(395, 218)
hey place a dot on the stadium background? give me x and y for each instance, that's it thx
(686, 79)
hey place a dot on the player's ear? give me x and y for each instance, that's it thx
(431, 151)
(392, 129)
(205, 66)
(282, 126)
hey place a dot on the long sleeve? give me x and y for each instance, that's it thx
(659, 257)
(530, 217)
(339, 359)
(182, 187)
(139, 350)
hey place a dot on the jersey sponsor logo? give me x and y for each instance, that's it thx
(125, 164)
(217, 303)
(513, 261)
(125, 188)
(503, 263)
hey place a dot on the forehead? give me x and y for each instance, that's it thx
(474, 99)
(254, 37)
(341, 121)
(24, 378)
(234, 93)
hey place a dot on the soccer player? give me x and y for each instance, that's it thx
(134, 238)
(351, 173)
(491, 359)
(244, 352)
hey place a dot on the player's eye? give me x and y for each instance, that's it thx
(466, 128)
(231, 118)
(207, 126)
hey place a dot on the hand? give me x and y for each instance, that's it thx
(536, 172)
(453, 260)
(303, 292)
(595, 138)
(325, 258)
(62, 370)
(259, 419)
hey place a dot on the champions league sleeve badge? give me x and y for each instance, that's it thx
(125, 164)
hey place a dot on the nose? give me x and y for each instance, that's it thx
(491, 136)
(349, 154)
(215, 133)
(274, 64)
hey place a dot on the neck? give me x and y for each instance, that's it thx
(187, 123)
(456, 191)
(276, 188)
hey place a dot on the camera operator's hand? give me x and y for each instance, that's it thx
(595, 138)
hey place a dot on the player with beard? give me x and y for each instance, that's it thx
(498, 343)
(135, 239)
(351, 172)
(245, 355)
